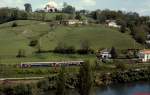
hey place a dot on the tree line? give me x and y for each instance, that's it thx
(137, 26)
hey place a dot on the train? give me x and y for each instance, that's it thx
(50, 64)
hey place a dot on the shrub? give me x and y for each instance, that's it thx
(85, 48)
(120, 66)
(85, 51)
(14, 24)
(22, 90)
(64, 49)
(114, 53)
(33, 43)
(21, 53)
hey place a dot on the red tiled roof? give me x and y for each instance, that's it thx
(146, 51)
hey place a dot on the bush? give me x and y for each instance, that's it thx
(33, 43)
(22, 90)
(14, 24)
(62, 48)
(85, 51)
(21, 53)
(120, 66)
(85, 48)
(114, 53)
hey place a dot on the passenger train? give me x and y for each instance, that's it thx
(50, 64)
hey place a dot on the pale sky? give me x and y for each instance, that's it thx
(140, 6)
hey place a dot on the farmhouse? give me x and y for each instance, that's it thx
(112, 23)
(105, 54)
(144, 55)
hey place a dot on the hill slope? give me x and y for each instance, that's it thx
(14, 38)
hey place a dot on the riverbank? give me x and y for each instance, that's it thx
(101, 79)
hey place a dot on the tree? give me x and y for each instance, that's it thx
(33, 43)
(60, 17)
(120, 66)
(21, 53)
(123, 29)
(85, 80)
(14, 24)
(68, 9)
(28, 7)
(43, 16)
(8, 90)
(113, 53)
(61, 81)
(22, 89)
(85, 45)
(85, 48)
(140, 34)
(78, 16)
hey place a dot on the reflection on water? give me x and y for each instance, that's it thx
(118, 89)
(125, 89)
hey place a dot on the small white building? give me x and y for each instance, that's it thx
(144, 55)
(105, 54)
(112, 23)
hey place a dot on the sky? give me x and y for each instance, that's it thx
(140, 6)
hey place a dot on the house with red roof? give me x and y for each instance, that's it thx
(144, 55)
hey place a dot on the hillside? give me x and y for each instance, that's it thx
(14, 38)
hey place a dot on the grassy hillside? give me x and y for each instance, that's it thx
(98, 36)
(14, 38)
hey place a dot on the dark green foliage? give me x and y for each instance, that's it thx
(123, 29)
(78, 16)
(120, 66)
(60, 17)
(139, 33)
(85, 48)
(44, 85)
(21, 53)
(85, 80)
(10, 14)
(130, 76)
(113, 53)
(61, 81)
(8, 90)
(1, 90)
(19, 89)
(33, 43)
(14, 24)
(64, 49)
(68, 9)
(28, 7)
(23, 90)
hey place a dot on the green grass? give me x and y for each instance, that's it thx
(99, 36)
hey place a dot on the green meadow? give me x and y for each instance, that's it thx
(99, 36)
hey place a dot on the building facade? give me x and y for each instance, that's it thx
(144, 55)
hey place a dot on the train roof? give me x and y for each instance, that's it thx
(52, 62)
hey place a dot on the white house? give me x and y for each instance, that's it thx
(144, 55)
(105, 54)
(112, 23)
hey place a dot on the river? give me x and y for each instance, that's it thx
(137, 88)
